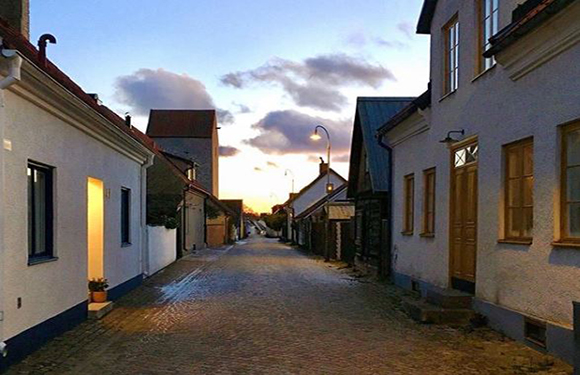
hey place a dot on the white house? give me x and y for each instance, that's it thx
(308, 196)
(72, 194)
(492, 210)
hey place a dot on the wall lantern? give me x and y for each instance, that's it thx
(449, 140)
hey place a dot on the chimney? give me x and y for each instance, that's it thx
(323, 167)
(17, 14)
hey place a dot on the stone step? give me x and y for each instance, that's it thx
(424, 312)
(448, 298)
(99, 310)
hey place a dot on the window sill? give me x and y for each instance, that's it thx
(41, 260)
(483, 73)
(447, 95)
(427, 235)
(566, 244)
(515, 242)
(407, 233)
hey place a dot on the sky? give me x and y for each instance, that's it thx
(274, 69)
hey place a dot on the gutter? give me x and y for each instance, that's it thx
(388, 261)
(13, 77)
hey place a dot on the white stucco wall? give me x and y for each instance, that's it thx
(314, 194)
(50, 288)
(538, 280)
(162, 248)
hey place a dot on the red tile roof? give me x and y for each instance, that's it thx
(181, 123)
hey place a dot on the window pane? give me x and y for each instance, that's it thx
(513, 223)
(512, 163)
(528, 160)
(514, 193)
(573, 147)
(125, 215)
(573, 184)
(30, 212)
(574, 220)
(527, 222)
(528, 191)
(39, 212)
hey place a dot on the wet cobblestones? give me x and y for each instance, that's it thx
(263, 308)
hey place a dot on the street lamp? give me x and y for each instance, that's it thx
(286, 173)
(316, 137)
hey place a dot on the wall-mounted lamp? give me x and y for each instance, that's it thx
(449, 139)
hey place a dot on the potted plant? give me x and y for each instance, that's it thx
(98, 288)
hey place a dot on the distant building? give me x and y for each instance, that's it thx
(239, 219)
(307, 196)
(193, 135)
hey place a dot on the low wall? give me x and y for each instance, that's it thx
(162, 248)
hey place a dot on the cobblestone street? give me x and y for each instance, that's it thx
(264, 308)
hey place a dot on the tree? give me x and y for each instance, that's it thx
(275, 221)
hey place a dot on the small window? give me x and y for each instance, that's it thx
(40, 211)
(535, 332)
(408, 214)
(451, 37)
(428, 202)
(519, 190)
(192, 174)
(488, 27)
(570, 184)
(126, 216)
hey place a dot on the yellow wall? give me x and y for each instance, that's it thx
(95, 230)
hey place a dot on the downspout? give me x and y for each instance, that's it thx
(390, 204)
(145, 266)
(13, 77)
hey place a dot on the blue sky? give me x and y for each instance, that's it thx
(199, 42)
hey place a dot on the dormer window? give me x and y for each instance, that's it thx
(192, 174)
(451, 37)
(488, 27)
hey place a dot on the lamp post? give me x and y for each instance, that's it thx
(316, 137)
(286, 172)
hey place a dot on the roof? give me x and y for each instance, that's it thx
(295, 196)
(426, 17)
(420, 103)
(320, 203)
(340, 211)
(371, 114)
(170, 123)
(14, 40)
(525, 18)
(236, 205)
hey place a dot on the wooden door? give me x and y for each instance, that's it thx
(463, 218)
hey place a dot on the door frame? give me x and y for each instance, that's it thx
(452, 148)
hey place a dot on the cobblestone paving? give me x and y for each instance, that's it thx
(264, 308)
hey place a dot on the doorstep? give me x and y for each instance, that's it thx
(99, 310)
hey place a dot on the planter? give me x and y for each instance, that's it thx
(99, 297)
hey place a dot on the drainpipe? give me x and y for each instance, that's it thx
(388, 259)
(145, 267)
(13, 77)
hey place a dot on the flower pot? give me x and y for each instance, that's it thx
(99, 297)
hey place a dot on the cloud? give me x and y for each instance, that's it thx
(407, 28)
(272, 164)
(242, 108)
(314, 82)
(288, 132)
(258, 169)
(359, 40)
(228, 151)
(146, 89)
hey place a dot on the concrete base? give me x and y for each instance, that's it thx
(425, 312)
(99, 310)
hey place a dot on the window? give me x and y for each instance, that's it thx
(488, 27)
(428, 202)
(519, 190)
(192, 174)
(126, 216)
(451, 33)
(570, 184)
(40, 211)
(408, 215)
